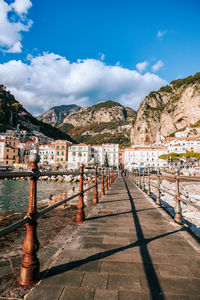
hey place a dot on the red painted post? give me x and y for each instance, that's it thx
(30, 266)
(102, 184)
(95, 198)
(149, 184)
(113, 178)
(106, 180)
(178, 210)
(158, 189)
(80, 217)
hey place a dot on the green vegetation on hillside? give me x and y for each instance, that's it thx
(186, 81)
(13, 113)
(105, 104)
(77, 133)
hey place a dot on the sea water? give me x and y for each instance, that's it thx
(14, 195)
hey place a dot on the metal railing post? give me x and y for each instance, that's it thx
(177, 209)
(102, 184)
(80, 217)
(143, 182)
(95, 198)
(113, 179)
(158, 189)
(110, 177)
(149, 184)
(106, 187)
(30, 266)
(139, 179)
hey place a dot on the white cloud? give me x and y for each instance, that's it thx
(159, 64)
(101, 56)
(11, 28)
(161, 33)
(21, 6)
(142, 66)
(49, 80)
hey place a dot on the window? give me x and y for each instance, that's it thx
(61, 159)
(58, 152)
(58, 147)
(63, 147)
(62, 153)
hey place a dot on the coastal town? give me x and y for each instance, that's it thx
(16, 146)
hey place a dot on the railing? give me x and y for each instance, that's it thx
(29, 273)
(146, 185)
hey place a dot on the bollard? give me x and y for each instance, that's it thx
(177, 209)
(102, 184)
(149, 184)
(158, 189)
(95, 198)
(80, 217)
(30, 266)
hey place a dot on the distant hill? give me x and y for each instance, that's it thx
(57, 114)
(104, 122)
(168, 110)
(13, 113)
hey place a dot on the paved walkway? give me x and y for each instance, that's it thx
(127, 249)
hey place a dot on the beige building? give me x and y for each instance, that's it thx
(9, 150)
(61, 152)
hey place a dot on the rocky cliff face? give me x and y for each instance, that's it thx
(104, 122)
(168, 110)
(102, 112)
(57, 114)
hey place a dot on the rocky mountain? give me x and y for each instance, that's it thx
(57, 114)
(164, 112)
(104, 122)
(13, 113)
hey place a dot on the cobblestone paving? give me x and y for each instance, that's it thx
(127, 249)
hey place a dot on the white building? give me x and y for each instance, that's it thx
(176, 148)
(47, 154)
(112, 151)
(189, 144)
(89, 155)
(97, 155)
(143, 157)
(77, 155)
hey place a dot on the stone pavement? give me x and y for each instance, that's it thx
(128, 248)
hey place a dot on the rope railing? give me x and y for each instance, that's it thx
(139, 180)
(29, 273)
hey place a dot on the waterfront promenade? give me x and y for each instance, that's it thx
(128, 248)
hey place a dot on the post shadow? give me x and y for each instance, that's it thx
(142, 242)
(151, 276)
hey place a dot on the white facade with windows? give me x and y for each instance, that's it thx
(112, 151)
(77, 155)
(188, 144)
(143, 157)
(89, 155)
(47, 154)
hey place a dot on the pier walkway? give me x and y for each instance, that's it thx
(128, 248)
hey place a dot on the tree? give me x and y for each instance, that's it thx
(106, 164)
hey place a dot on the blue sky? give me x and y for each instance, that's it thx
(63, 52)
